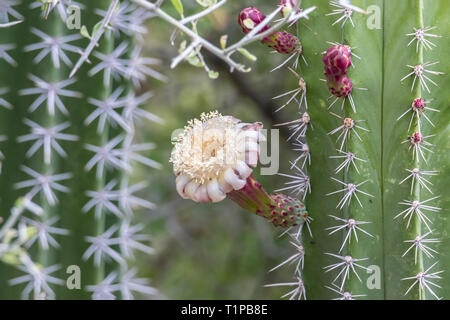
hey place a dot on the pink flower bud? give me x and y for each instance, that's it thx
(339, 86)
(416, 138)
(249, 18)
(287, 6)
(419, 104)
(283, 42)
(337, 60)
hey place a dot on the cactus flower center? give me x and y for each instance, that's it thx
(214, 155)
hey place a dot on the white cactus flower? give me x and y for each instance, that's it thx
(215, 155)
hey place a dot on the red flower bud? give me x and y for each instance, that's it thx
(419, 104)
(283, 42)
(287, 6)
(249, 18)
(416, 138)
(339, 86)
(337, 60)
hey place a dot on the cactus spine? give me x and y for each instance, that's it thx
(87, 207)
(393, 272)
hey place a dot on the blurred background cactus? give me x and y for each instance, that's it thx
(78, 176)
(70, 149)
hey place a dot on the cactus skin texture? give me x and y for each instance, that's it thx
(385, 55)
(69, 206)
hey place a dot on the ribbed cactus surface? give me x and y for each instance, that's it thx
(390, 193)
(70, 148)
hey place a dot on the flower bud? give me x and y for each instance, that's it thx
(337, 60)
(283, 42)
(287, 6)
(287, 211)
(419, 104)
(249, 18)
(339, 86)
(416, 138)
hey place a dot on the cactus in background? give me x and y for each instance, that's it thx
(70, 148)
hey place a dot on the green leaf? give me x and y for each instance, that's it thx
(96, 28)
(213, 74)
(192, 58)
(206, 3)
(85, 33)
(247, 54)
(223, 41)
(178, 6)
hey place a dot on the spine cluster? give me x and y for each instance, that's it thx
(419, 251)
(284, 42)
(337, 63)
(110, 155)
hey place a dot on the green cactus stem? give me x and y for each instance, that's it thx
(385, 54)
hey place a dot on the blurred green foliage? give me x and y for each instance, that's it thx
(211, 251)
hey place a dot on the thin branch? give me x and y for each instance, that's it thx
(95, 39)
(203, 13)
(184, 54)
(253, 35)
(223, 54)
(195, 37)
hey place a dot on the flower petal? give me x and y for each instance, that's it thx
(181, 182)
(224, 185)
(243, 169)
(190, 189)
(214, 191)
(248, 145)
(251, 158)
(248, 135)
(232, 178)
(201, 194)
